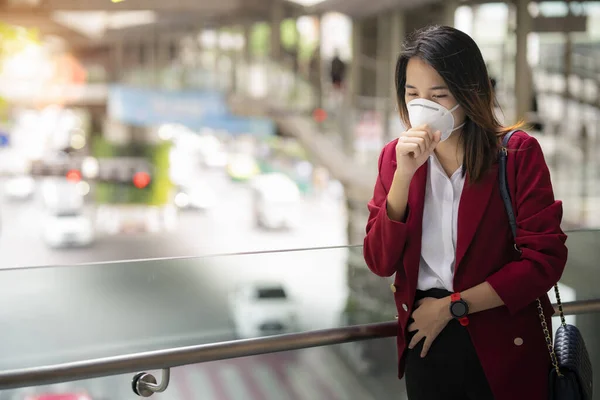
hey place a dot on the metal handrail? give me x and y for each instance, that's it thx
(176, 357)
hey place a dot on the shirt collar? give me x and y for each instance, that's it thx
(434, 164)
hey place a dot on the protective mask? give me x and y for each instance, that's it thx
(439, 118)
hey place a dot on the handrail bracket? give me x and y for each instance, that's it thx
(145, 385)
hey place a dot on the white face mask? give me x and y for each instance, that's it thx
(439, 118)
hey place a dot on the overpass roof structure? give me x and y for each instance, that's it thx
(85, 22)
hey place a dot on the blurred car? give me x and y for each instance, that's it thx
(19, 188)
(241, 167)
(60, 396)
(261, 309)
(60, 195)
(217, 159)
(68, 229)
(132, 219)
(199, 197)
(276, 201)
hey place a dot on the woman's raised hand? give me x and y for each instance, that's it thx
(414, 148)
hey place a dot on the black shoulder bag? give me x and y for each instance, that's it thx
(571, 375)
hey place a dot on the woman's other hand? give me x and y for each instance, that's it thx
(430, 317)
(414, 148)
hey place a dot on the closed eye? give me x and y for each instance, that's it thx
(439, 96)
(411, 94)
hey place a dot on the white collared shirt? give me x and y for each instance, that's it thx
(440, 222)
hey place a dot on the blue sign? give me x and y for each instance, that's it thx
(241, 125)
(4, 139)
(194, 109)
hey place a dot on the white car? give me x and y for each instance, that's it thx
(201, 197)
(262, 309)
(59, 195)
(277, 201)
(19, 188)
(217, 159)
(68, 229)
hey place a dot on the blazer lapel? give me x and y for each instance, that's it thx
(416, 204)
(473, 203)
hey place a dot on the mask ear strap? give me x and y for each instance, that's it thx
(460, 126)
(454, 108)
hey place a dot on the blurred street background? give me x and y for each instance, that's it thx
(143, 142)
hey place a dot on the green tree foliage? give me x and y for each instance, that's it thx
(260, 44)
(289, 34)
(13, 39)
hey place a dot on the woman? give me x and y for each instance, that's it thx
(469, 327)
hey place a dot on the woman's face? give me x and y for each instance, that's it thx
(424, 82)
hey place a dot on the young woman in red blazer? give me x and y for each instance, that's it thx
(469, 327)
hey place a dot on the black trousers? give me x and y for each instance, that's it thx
(451, 369)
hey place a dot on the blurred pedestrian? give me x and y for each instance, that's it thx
(337, 72)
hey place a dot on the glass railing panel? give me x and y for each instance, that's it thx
(574, 171)
(82, 312)
(70, 313)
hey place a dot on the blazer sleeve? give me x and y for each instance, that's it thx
(385, 238)
(539, 236)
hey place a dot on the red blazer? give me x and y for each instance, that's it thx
(508, 339)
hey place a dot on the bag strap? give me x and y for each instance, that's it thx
(505, 192)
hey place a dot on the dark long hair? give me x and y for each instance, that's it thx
(456, 57)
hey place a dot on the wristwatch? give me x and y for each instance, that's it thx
(459, 309)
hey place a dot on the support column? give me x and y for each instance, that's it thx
(384, 77)
(397, 35)
(152, 47)
(117, 62)
(277, 16)
(319, 64)
(355, 67)
(247, 32)
(218, 81)
(163, 60)
(450, 7)
(567, 58)
(234, 56)
(523, 80)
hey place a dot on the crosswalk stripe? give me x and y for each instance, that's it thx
(271, 387)
(234, 385)
(327, 366)
(15, 394)
(278, 367)
(325, 385)
(182, 384)
(301, 380)
(104, 388)
(254, 389)
(113, 388)
(215, 383)
(198, 383)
